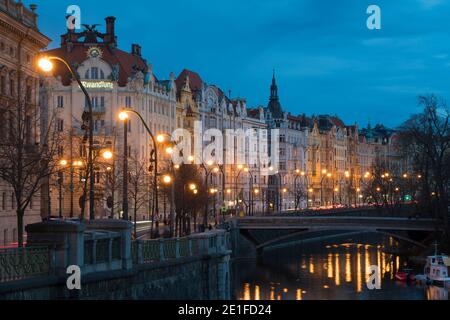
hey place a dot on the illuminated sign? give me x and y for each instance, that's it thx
(97, 84)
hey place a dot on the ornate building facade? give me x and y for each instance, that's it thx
(240, 185)
(20, 42)
(284, 185)
(115, 79)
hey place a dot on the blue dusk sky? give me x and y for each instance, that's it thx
(326, 59)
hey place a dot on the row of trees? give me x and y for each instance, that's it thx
(424, 143)
(425, 139)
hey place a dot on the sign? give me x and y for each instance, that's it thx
(98, 84)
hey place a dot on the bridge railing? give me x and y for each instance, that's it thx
(148, 251)
(24, 263)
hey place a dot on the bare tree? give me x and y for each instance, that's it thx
(138, 190)
(428, 137)
(26, 163)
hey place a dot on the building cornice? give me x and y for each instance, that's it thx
(22, 31)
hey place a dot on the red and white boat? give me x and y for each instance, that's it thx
(405, 275)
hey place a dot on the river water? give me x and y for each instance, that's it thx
(332, 270)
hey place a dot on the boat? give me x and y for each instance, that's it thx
(405, 275)
(437, 269)
(401, 276)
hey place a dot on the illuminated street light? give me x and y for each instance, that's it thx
(63, 162)
(256, 191)
(169, 150)
(192, 186)
(123, 116)
(45, 64)
(160, 138)
(167, 179)
(191, 159)
(324, 171)
(107, 155)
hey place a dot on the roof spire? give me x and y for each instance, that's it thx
(274, 103)
(274, 88)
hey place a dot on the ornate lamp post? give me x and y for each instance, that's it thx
(46, 65)
(123, 116)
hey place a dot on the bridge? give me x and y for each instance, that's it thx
(269, 230)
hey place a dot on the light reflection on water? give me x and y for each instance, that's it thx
(336, 272)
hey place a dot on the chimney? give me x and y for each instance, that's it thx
(110, 36)
(136, 50)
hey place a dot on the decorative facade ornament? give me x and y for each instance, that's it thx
(94, 52)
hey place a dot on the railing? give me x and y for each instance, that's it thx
(102, 248)
(148, 251)
(24, 263)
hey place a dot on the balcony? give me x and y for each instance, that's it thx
(96, 110)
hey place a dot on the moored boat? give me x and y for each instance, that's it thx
(437, 269)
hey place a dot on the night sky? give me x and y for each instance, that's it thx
(326, 60)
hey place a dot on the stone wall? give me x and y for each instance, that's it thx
(206, 277)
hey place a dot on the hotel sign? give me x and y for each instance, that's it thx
(98, 84)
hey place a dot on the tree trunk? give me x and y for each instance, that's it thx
(20, 215)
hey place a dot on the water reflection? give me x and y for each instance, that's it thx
(327, 271)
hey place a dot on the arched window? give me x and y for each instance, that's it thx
(94, 73)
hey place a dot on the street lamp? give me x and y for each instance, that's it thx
(107, 155)
(167, 179)
(123, 116)
(45, 64)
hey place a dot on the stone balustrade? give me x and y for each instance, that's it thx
(208, 243)
(99, 246)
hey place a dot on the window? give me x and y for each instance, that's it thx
(60, 151)
(94, 73)
(128, 102)
(13, 203)
(28, 93)
(3, 84)
(4, 201)
(12, 85)
(60, 125)
(60, 102)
